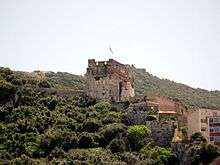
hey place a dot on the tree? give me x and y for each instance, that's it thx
(138, 136)
(117, 145)
(6, 90)
(203, 153)
(86, 140)
(102, 106)
(151, 154)
(4, 72)
(44, 84)
(198, 137)
(111, 131)
(91, 125)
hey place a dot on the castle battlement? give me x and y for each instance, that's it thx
(109, 80)
(106, 68)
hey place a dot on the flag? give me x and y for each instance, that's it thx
(110, 49)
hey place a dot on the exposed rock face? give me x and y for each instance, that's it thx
(109, 80)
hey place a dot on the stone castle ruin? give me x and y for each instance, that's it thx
(109, 80)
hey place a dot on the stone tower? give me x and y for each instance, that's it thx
(109, 80)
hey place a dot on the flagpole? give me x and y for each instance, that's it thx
(110, 52)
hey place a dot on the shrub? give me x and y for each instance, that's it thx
(52, 104)
(157, 155)
(91, 125)
(198, 137)
(85, 102)
(4, 111)
(6, 90)
(86, 140)
(58, 138)
(102, 106)
(56, 153)
(44, 84)
(203, 153)
(4, 72)
(109, 120)
(91, 156)
(24, 160)
(151, 118)
(16, 81)
(111, 131)
(117, 115)
(138, 135)
(49, 102)
(4, 155)
(117, 145)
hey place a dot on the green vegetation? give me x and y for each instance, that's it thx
(198, 137)
(138, 135)
(145, 83)
(44, 84)
(38, 126)
(7, 90)
(158, 155)
(201, 152)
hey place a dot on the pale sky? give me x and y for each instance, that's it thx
(173, 39)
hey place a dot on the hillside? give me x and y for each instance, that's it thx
(145, 83)
(44, 128)
(41, 127)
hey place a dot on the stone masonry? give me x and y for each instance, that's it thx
(109, 80)
(162, 133)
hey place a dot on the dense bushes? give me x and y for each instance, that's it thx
(102, 106)
(117, 145)
(151, 154)
(44, 84)
(138, 136)
(198, 137)
(67, 130)
(111, 131)
(36, 128)
(58, 138)
(7, 90)
(201, 152)
(4, 72)
(91, 125)
(86, 140)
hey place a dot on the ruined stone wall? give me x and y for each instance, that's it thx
(169, 106)
(109, 80)
(162, 133)
(104, 88)
(127, 90)
(166, 104)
